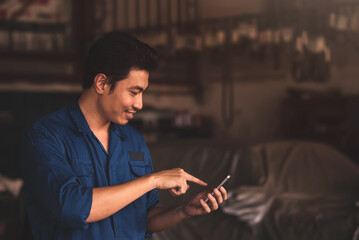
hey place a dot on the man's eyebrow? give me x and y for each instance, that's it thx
(139, 88)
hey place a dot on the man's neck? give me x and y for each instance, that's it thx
(89, 107)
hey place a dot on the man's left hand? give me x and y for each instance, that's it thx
(197, 206)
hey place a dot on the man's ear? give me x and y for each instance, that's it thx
(99, 82)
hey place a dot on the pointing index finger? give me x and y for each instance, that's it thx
(191, 178)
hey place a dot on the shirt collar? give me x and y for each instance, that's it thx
(82, 125)
(78, 118)
(118, 130)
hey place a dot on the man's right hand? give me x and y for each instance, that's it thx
(175, 180)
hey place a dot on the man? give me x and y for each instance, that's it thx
(87, 174)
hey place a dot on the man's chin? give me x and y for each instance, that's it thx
(122, 121)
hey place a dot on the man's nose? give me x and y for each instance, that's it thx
(138, 104)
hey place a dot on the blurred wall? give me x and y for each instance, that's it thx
(216, 9)
(257, 103)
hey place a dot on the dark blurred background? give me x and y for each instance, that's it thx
(247, 71)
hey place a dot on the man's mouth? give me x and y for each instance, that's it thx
(129, 114)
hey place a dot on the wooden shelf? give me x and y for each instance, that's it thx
(38, 55)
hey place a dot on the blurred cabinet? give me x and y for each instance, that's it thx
(332, 118)
(42, 40)
(47, 40)
(323, 119)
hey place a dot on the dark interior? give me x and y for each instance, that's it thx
(264, 90)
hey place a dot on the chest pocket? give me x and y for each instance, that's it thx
(84, 172)
(138, 169)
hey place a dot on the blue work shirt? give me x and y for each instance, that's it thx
(63, 161)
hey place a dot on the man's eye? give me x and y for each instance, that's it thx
(134, 93)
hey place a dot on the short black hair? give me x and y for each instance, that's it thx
(114, 55)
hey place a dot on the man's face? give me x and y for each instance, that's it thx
(119, 105)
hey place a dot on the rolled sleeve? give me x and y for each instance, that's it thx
(76, 206)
